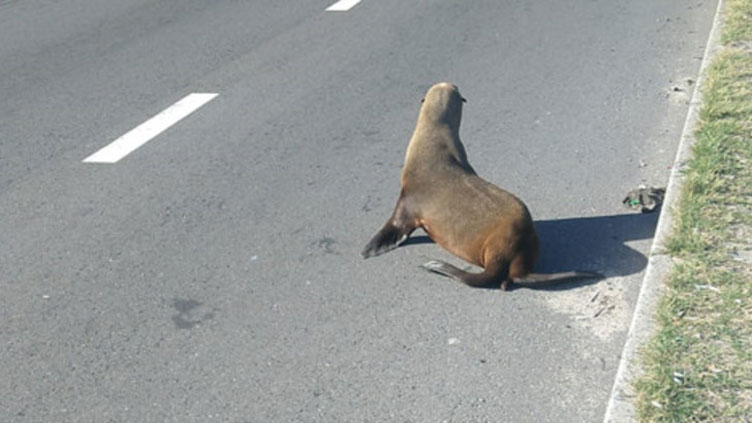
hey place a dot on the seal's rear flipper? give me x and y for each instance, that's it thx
(484, 278)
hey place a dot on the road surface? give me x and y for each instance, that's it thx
(213, 274)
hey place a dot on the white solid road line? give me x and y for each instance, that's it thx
(342, 6)
(141, 134)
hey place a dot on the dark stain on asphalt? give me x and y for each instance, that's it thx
(190, 313)
(326, 243)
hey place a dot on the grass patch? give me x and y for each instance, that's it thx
(698, 365)
(737, 22)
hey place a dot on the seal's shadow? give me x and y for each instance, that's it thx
(588, 243)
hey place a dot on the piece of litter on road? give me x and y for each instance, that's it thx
(598, 313)
(453, 341)
(46, 297)
(647, 199)
(254, 258)
(307, 282)
(604, 308)
(708, 287)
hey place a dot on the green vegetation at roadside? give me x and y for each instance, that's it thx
(737, 22)
(698, 365)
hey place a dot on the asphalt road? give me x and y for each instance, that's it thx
(214, 273)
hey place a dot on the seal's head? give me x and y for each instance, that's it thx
(442, 104)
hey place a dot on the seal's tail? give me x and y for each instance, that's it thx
(544, 279)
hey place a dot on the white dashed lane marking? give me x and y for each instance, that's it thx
(342, 6)
(143, 133)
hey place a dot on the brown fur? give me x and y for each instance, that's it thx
(468, 216)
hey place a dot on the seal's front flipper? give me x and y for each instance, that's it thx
(387, 239)
(396, 230)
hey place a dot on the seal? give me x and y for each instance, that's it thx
(463, 213)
